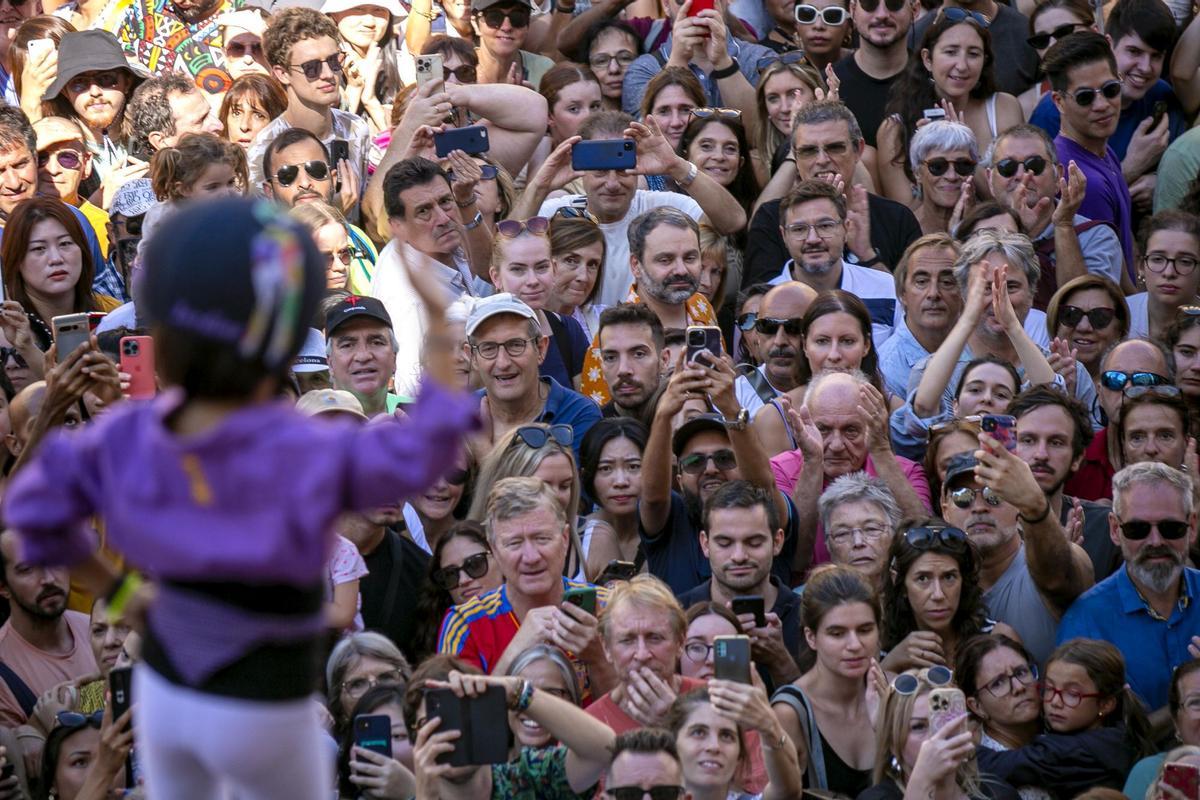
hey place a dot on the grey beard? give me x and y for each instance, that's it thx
(1159, 578)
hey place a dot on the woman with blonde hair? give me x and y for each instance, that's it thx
(332, 236)
(782, 88)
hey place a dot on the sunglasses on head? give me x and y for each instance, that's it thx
(488, 173)
(870, 6)
(1158, 390)
(494, 17)
(747, 322)
(536, 437)
(105, 80)
(240, 49)
(67, 159)
(705, 112)
(1115, 380)
(312, 68)
(926, 538)
(1086, 96)
(465, 73)
(962, 15)
(694, 464)
(1007, 167)
(768, 326)
(964, 496)
(1040, 41)
(317, 170)
(937, 167)
(660, 792)
(907, 683)
(1098, 318)
(831, 16)
(512, 228)
(794, 57)
(447, 578)
(73, 719)
(571, 212)
(1170, 529)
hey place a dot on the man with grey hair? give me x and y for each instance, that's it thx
(827, 145)
(859, 514)
(529, 534)
(361, 348)
(1023, 171)
(1149, 608)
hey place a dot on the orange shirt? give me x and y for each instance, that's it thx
(40, 670)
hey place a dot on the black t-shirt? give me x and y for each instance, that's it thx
(864, 95)
(1097, 542)
(399, 556)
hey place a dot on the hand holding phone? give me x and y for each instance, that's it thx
(601, 155)
(731, 658)
(750, 604)
(582, 596)
(137, 361)
(70, 332)
(1002, 427)
(374, 732)
(1183, 778)
(946, 704)
(704, 339)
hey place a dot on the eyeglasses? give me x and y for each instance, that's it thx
(1157, 262)
(706, 112)
(110, 79)
(831, 16)
(356, 687)
(825, 229)
(660, 792)
(698, 652)
(465, 73)
(536, 437)
(769, 326)
(722, 461)
(312, 68)
(73, 719)
(239, 50)
(1098, 318)
(1171, 529)
(964, 496)
(810, 151)
(1158, 390)
(623, 58)
(893, 6)
(1006, 684)
(1115, 380)
(871, 533)
(907, 683)
(927, 538)
(512, 228)
(1070, 697)
(67, 159)
(747, 322)
(1086, 96)
(1040, 41)
(571, 212)
(317, 170)
(475, 566)
(489, 350)
(1007, 167)
(494, 17)
(487, 173)
(937, 167)
(11, 352)
(794, 57)
(345, 255)
(962, 15)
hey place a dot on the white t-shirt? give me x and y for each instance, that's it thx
(618, 276)
(1139, 314)
(875, 288)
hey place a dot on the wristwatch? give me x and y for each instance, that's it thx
(740, 422)
(475, 223)
(693, 171)
(873, 260)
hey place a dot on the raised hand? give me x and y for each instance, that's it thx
(964, 204)
(1062, 360)
(467, 174)
(875, 416)
(655, 156)
(1071, 190)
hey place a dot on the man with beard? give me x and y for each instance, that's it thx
(633, 359)
(740, 538)
(1052, 433)
(178, 36)
(778, 328)
(1148, 608)
(1029, 571)
(165, 108)
(869, 72)
(42, 644)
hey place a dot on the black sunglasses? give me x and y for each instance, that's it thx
(661, 792)
(926, 538)
(1098, 318)
(723, 460)
(536, 437)
(1007, 167)
(937, 166)
(961, 14)
(239, 49)
(1115, 380)
(487, 173)
(747, 322)
(869, 6)
(1085, 97)
(11, 352)
(768, 326)
(475, 566)
(494, 17)
(1170, 529)
(312, 68)
(456, 477)
(317, 170)
(1040, 41)
(465, 73)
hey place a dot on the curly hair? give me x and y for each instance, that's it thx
(294, 25)
(175, 170)
(149, 109)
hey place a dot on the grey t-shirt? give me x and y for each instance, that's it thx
(1015, 600)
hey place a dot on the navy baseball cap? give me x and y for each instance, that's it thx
(353, 307)
(958, 466)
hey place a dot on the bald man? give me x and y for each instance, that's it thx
(778, 329)
(23, 413)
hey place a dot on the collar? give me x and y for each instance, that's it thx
(698, 308)
(1133, 602)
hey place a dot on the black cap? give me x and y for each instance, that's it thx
(236, 271)
(89, 51)
(960, 465)
(352, 307)
(702, 422)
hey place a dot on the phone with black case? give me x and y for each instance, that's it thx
(120, 684)
(479, 718)
(731, 658)
(374, 732)
(751, 604)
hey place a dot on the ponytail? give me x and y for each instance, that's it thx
(1138, 730)
(166, 167)
(173, 170)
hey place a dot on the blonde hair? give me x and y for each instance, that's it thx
(512, 497)
(512, 458)
(649, 592)
(767, 138)
(316, 215)
(715, 246)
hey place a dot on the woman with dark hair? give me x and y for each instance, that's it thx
(987, 216)
(609, 47)
(251, 103)
(33, 73)
(431, 514)
(987, 386)
(1183, 338)
(823, 30)
(610, 465)
(715, 141)
(371, 74)
(1168, 270)
(365, 773)
(82, 758)
(706, 621)
(952, 69)
(669, 99)
(931, 596)
(1154, 425)
(1091, 315)
(460, 568)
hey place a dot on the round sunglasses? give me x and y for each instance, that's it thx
(937, 167)
(1007, 167)
(1086, 96)
(907, 683)
(67, 159)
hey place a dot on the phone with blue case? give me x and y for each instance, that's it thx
(602, 155)
(472, 140)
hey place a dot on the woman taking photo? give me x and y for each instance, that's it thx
(943, 157)
(1091, 315)
(825, 713)
(577, 250)
(365, 773)
(1170, 248)
(611, 469)
(782, 88)
(371, 74)
(1183, 701)
(550, 671)
(460, 569)
(251, 103)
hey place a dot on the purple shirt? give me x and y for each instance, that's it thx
(1107, 196)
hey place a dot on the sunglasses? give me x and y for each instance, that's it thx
(345, 255)
(1098, 318)
(73, 719)
(11, 352)
(1171, 529)
(869, 6)
(312, 68)
(487, 173)
(747, 322)
(832, 16)
(571, 212)
(1040, 41)
(239, 50)
(1086, 96)
(927, 538)
(67, 159)
(906, 683)
(1115, 380)
(962, 15)
(964, 496)
(494, 17)
(447, 578)
(1007, 167)
(661, 792)
(465, 73)
(794, 57)
(704, 112)
(317, 170)
(938, 166)
(723, 461)
(536, 437)
(512, 228)
(105, 80)
(768, 326)
(1158, 390)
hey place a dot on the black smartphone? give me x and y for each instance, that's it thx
(472, 140)
(617, 570)
(1160, 108)
(477, 718)
(582, 596)
(339, 150)
(731, 658)
(751, 604)
(601, 155)
(120, 685)
(704, 339)
(374, 732)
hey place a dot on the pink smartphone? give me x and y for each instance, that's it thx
(137, 359)
(946, 704)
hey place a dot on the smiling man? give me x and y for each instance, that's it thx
(361, 347)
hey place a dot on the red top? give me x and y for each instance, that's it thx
(1093, 481)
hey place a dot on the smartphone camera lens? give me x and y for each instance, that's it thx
(696, 338)
(131, 348)
(629, 145)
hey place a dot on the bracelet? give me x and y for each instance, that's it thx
(872, 261)
(120, 595)
(475, 223)
(1040, 517)
(719, 74)
(693, 171)
(467, 204)
(521, 702)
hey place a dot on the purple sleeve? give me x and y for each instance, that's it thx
(391, 460)
(918, 481)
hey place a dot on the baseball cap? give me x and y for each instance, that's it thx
(90, 51)
(697, 424)
(134, 198)
(480, 5)
(329, 401)
(502, 303)
(311, 357)
(355, 306)
(55, 130)
(958, 466)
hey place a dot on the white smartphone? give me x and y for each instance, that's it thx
(429, 69)
(39, 47)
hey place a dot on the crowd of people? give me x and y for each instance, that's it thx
(547, 352)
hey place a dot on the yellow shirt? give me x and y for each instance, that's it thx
(98, 217)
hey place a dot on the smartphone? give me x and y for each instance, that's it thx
(701, 5)
(374, 732)
(70, 331)
(731, 658)
(120, 683)
(472, 140)
(1002, 427)
(137, 359)
(94, 319)
(477, 718)
(934, 114)
(39, 46)
(582, 596)
(946, 704)
(339, 150)
(751, 604)
(703, 339)
(601, 155)
(1183, 778)
(429, 69)
(617, 571)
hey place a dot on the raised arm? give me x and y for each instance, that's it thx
(516, 117)
(655, 505)
(927, 401)
(570, 38)
(1185, 67)
(554, 173)
(874, 412)
(748, 706)
(1037, 368)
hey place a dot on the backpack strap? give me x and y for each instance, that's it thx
(758, 382)
(793, 697)
(25, 697)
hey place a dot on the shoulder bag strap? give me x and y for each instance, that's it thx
(794, 698)
(24, 695)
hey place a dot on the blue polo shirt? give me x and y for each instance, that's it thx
(1113, 610)
(567, 407)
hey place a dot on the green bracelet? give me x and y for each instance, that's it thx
(121, 594)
